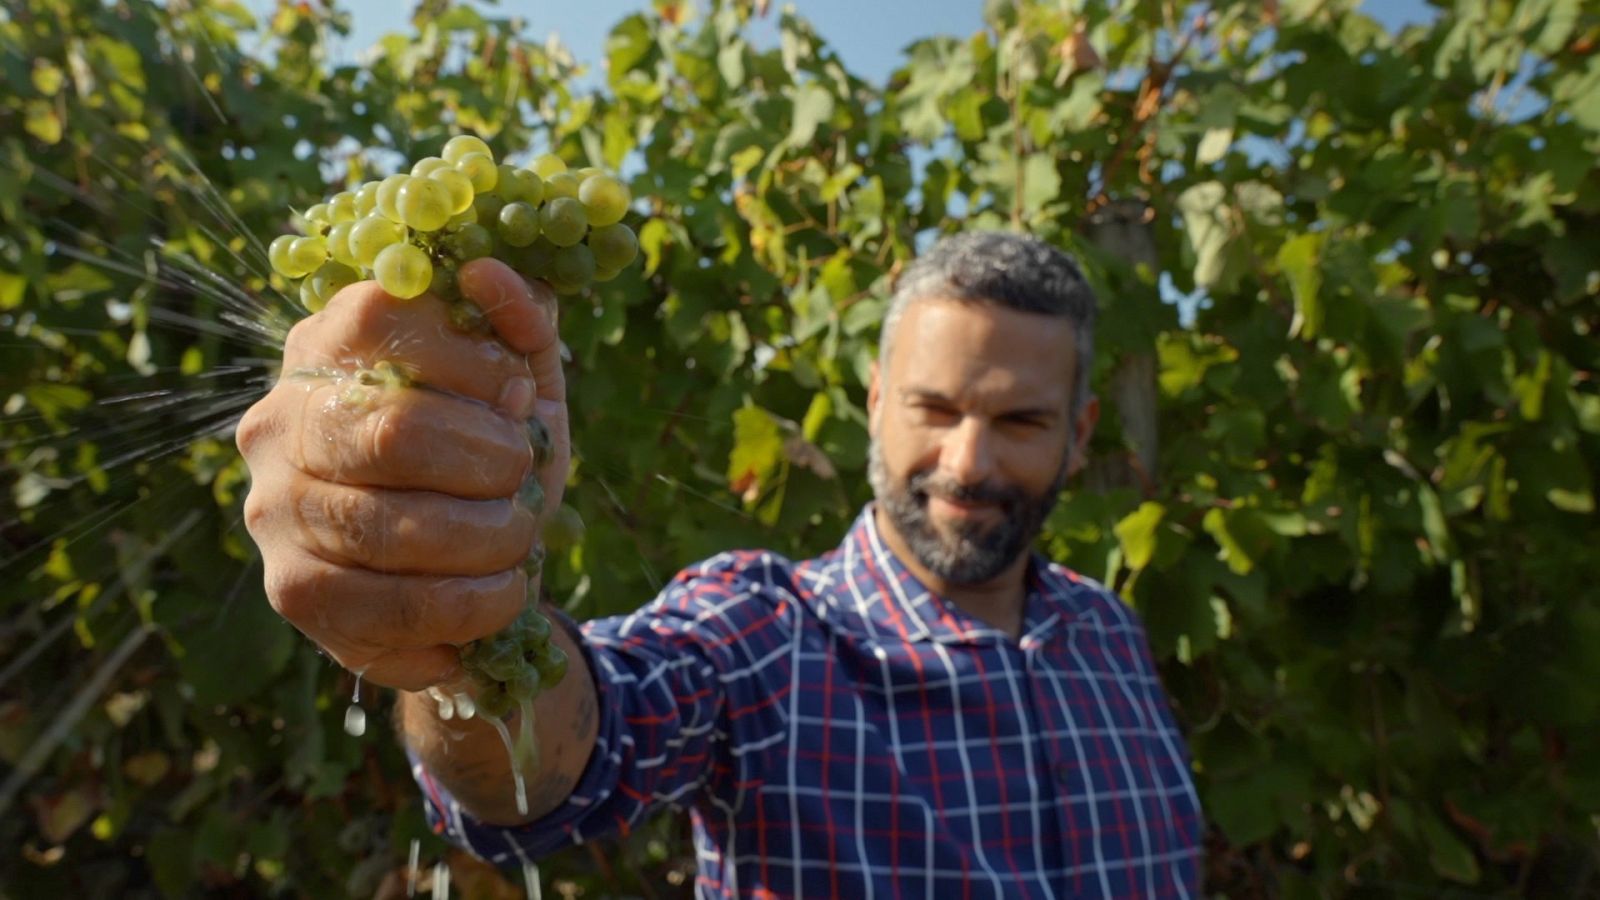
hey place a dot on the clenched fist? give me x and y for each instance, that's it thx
(387, 510)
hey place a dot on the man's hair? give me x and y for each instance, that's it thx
(1013, 271)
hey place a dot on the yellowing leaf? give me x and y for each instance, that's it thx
(42, 122)
(1137, 533)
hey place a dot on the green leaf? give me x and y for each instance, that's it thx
(813, 105)
(1448, 854)
(1137, 534)
(1242, 534)
(757, 449)
(1041, 182)
(1205, 224)
(1300, 260)
(42, 122)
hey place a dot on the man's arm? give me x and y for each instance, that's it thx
(471, 761)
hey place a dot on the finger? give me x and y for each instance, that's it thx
(407, 440)
(359, 614)
(362, 325)
(404, 532)
(414, 670)
(523, 313)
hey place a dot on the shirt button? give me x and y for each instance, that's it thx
(1064, 773)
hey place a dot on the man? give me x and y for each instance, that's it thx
(928, 710)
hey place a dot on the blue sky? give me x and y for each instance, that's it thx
(868, 34)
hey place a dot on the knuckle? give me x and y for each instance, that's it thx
(386, 435)
(296, 592)
(257, 511)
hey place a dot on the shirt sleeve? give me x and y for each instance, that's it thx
(663, 678)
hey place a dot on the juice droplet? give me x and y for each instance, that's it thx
(530, 881)
(411, 868)
(465, 707)
(441, 881)
(516, 770)
(355, 721)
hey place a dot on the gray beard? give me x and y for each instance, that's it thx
(975, 553)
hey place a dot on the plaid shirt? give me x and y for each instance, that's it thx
(836, 730)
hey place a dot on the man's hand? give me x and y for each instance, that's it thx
(387, 517)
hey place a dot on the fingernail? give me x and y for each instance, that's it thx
(517, 397)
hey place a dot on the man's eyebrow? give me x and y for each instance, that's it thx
(928, 395)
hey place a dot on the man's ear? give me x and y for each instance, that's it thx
(1082, 430)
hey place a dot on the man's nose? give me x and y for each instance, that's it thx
(968, 452)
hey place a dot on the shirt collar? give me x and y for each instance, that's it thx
(868, 589)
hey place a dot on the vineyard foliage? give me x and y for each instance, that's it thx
(1348, 355)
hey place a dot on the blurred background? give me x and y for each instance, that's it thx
(1348, 256)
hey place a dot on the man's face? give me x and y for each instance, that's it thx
(972, 434)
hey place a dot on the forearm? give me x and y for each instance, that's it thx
(469, 759)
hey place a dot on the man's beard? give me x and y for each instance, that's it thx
(975, 553)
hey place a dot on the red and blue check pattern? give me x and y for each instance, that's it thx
(835, 730)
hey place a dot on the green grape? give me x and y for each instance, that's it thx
(369, 236)
(465, 316)
(367, 199)
(601, 276)
(331, 278)
(282, 262)
(488, 207)
(534, 625)
(424, 204)
(339, 243)
(316, 219)
(427, 166)
(389, 195)
(605, 198)
(563, 221)
(309, 298)
(567, 288)
(547, 165)
(534, 260)
(480, 170)
(308, 252)
(552, 666)
(561, 184)
(588, 172)
(573, 265)
(458, 185)
(614, 246)
(464, 145)
(563, 529)
(342, 208)
(495, 702)
(403, 270)
(521, 184)
(443, 284)
(518, 224)
(502, 662)
(469, 242)
(524, 685)
(460, 220)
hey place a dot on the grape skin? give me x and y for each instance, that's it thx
(403, 270)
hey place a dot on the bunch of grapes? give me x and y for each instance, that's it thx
(512, 666)
(412, 231)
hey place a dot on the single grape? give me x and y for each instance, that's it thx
(502, 662)
(342, 208)
(465, 316)
(309, 298)
(389, 195)
(534, 260)
(614, 246)
(521, 184)
(443, 283)
(367, 199)
(547, 165)
(601, 276)
(524, 685)
(403, 270)
(519, 224)
(316, 219)
(427, 166)
(339, 243)
(574, 265)
(424, 204)
(369, 236)
(308, 252)
(534, 624)
(331, 278)
(458, 185)
(588, 172)
(282, 262)
(480, 170)
(488, 207)
(495, 702)
(464, 145)
(563, 221)
(563, 528)
(552, 666)
(469, 242)
(460, 220)
(605, 198)
(561, 184)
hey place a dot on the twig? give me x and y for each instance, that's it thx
(35, 758)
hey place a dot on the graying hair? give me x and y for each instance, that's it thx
(1012, 271)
